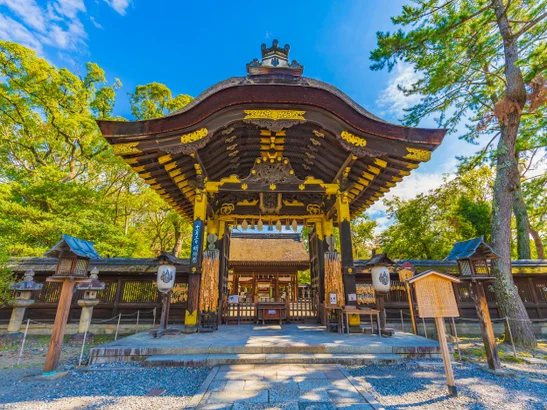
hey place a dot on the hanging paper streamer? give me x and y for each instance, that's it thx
(333, 277)
(279, 225)
(294, 225)
(244, 225)
(260, 225)
(208, 297)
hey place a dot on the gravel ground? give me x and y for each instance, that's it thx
(416, 385)
(103, 388)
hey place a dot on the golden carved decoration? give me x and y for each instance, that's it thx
(164, 158)
(301, 187)
(313, 209)
(273, 187)
(227, 209)
(294, 202)
(353, 139)
(170, 166)
(275, 114)
(197, 167)
(380, 162)
(127, 148)
(247, 202)
(417, 154)
(174, 173)
(194, 136)
(318, 134)
(244, 186)
(374, 170)
(130, 161)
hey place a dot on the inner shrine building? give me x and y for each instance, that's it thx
(275, 151)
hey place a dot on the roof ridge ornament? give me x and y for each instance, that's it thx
(275, 60)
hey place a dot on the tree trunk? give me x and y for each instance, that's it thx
(507, 179)
(538, 242)
(178, 239)
(523, 225)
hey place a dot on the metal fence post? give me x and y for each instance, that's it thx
(456, 336)
(118, 326)
(137, 325)
(23, 343)
(511, 336)
(82, 351)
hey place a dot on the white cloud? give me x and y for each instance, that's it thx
(57, 23)
(392, 100)
(95, 22)
(13, 31)
(119, 5)
(69, 8)
(27, 10)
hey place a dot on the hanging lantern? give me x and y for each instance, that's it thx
(244, 225)
(380, 278)
(166, 277)
(294, 225)
(279, 225)
(260, 225)
(252, 224)
(287, 224)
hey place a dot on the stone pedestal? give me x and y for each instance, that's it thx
(85, 320)
(19, 305)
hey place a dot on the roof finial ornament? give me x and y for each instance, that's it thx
(275, 60)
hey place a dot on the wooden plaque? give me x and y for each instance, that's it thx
(435, 297)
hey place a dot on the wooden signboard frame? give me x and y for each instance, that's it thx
(436, 299)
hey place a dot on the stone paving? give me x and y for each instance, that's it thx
(283, 386)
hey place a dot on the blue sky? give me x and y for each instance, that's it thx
(189, 46)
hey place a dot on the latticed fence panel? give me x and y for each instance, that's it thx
(143, 292)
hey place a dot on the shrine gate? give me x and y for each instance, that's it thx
(271, 150)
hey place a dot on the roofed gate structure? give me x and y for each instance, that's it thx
(271, 148)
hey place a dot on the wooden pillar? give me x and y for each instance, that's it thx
(447, 360)
(59, 326)
(320, 248)
(346, 249)
(487, 331)
(196, 256)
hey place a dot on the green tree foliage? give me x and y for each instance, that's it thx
(482, 61)
(59, 175)
(427, 226)
(155, 100)
(362, 235)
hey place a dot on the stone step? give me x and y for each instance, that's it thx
(111, 354)
(189, 360)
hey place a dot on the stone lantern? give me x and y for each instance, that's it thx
(88, 302)
(472, 257)
(73, 256)
(379, 269)
(21, 302)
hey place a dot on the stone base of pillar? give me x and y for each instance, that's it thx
(157, 333)
(189, 329)
(11, 337)
(78, 338)
(388, 332)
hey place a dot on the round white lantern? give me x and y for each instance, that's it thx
(166, 277)
(380, 278)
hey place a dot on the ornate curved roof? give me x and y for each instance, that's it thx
(306, 130)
